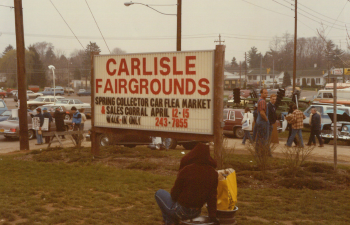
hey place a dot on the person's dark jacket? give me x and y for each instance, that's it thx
(48, 115)
(59, 120)
(272, 113)
(197, 180)
(316, 122)
(41, 118)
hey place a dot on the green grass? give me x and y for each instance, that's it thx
(69, 186)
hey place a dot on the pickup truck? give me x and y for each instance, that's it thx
(50, 91)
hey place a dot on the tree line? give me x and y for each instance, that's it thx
(40, 55)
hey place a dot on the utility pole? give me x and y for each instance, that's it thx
(295, 44)
(240, 74)
(245, 58)
(219, 40)
(335, 129)
(273, 73)
(260, 69)
(178, 27)
(21, 77)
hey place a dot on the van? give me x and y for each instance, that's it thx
(327, 96)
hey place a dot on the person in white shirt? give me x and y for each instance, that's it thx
(249, 118)
(83, 119)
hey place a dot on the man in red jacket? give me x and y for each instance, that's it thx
(196, 184)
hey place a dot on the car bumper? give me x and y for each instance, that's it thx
(9, 134)
(345, 137)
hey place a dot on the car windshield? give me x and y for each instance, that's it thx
(65, 101)
(6, 113)
(39, 100)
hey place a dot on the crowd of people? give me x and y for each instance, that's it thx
(264, 116)
(78, 120)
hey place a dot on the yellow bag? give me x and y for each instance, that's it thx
(227, 190)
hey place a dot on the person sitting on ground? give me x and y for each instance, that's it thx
(195, 185)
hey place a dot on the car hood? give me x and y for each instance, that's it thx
(341, 116)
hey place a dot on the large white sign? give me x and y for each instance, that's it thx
(170, 91)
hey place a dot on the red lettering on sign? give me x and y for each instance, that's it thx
(136, 87)
(179, 87)
(188, 91)
(123, 68)
(143, 85)
(135, 65)
(107, 67)
(152, 86)
(122, 85)
(202, 85)
(98, 85)
(108, 86)
(170, 87)
(165, 66)
(145, 72)
(155, 66)
(176, 72)
(190, 65)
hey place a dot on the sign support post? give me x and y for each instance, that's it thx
(95, 147)
(218, 102)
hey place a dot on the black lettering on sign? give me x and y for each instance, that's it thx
(124, 120)
(136, 120)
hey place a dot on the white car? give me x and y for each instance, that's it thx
(69, 103)
(44, 100)
(31, 94)
(81, 90)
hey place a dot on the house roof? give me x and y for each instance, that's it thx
(312, 72)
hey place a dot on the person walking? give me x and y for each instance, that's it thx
(297, 124)
(46, 114)
(289, 125)
(195, 185)
(262, 123)
(83, 118)
(272, 116)
(39, 134)
(59, 120)
(315, 124)
(76, 121)
(248, 117)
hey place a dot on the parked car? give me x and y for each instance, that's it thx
(68, 90)
(5, 114)
(3, 106)
(81, 90)
(343, 127)
(3, 93)
(34, 88)
(85, 93)
(32, 94)
(53, 91)
(44, 100)
(233, 122)
(10, 127)
(322, 108)
(69, 103)
(14, 95)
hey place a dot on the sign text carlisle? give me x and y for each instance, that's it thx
(170, 91)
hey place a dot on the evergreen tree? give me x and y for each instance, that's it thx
(286, 79)
(234, 62)
(7, 49)
(38, 75)
(91, 47)
(254, 58)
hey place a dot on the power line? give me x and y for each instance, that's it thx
(266, 8)
(97, 26)
(67, 24)
(12, 7)
(338, 16)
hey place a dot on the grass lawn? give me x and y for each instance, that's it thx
(69, 186)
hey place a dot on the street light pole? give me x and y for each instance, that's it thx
(178, 33)
(51, 67)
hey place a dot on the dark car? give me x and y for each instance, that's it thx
(84, 93)
(233, 122)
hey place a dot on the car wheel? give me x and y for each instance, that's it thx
(173, 142)
(326, 140)
(32, 107)
(239, 132)
(31, 134)
(189, 145)
(103, 140)
(67, 117)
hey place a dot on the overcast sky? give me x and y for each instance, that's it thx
(241, 23)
